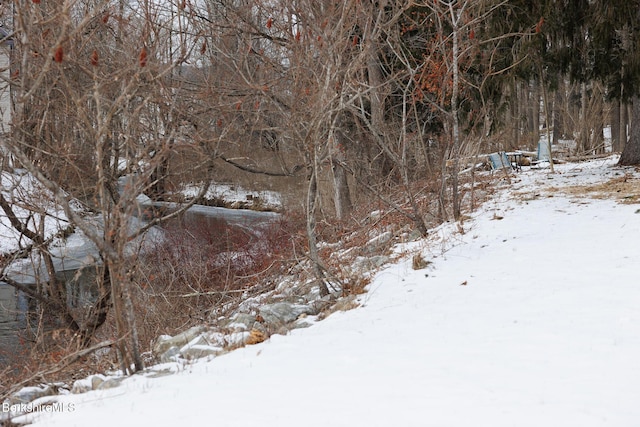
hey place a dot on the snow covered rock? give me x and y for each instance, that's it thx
(377, 243)
(87, 384)
(282, 313)
(170, 355)
(29, 394)
(199, 347)
(165, 342)
(242, 322)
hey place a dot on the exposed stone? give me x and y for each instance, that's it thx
(84, 385)
(242, 322)
(169, 355)
(377, 243)
(96, 381)
(375, 216)
(301, 324)
(363, 264)
(81, 386)
(199, 351)
(281, 313)
(414, 235)
(199, 340)
(165, 342)
(29, 394)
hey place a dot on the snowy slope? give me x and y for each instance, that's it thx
(546, 332)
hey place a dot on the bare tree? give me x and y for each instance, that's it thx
(91, 81)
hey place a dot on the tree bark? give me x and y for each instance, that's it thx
(314, 256)
(615, 125)
(558, 114)
(342, 198)
(631, 153)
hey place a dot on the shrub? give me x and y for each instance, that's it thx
(204, 266)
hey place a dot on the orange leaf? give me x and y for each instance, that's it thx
(269, 23)
(539, 25)
(203, 48)
(142, 59)
(298, 35)
(94, 58)
(58, 56)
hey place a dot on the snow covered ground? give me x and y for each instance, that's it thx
(531, 317)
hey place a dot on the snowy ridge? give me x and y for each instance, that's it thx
(527, 318)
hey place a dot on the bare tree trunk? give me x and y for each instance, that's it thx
(614, 119)
(513, 115)
(631, 154)
(624, 126)
(597, 114)
(342, 196)
(535, 112)
(376, 81)
(583, 137)
(455, 93)
(312, 199)
(558, 111)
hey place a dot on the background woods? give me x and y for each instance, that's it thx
(341, 107)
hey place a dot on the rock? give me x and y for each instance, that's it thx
(29, 394)
(96, 381)
(281, 313)
(199, 347)
(81, 386)
(301, 324)
(165, 342)
(375, 216)
(364, 264)
(377, 243)
(199, 340)
(199, 351)
(414, 235)
(169, 355)
(242, 322)
(92, 382)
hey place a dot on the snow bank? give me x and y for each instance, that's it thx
(529, 318)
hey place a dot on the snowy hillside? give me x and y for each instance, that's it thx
(530, 317)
